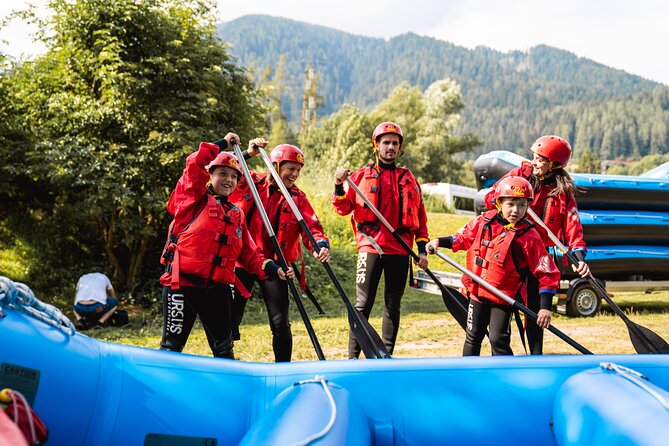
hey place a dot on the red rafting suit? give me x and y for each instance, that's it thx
(395, 192)
(287, 230)
(207, 237)
(560, 214)
(503, 256)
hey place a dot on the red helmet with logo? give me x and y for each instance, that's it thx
(514, 187)
(555, 149)
(225, 159)
(286, 152)
(387, 127)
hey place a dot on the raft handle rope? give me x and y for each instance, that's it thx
(18, 296)
(333, 416)
(6, 396)
(635, 378)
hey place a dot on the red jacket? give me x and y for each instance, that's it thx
(208, 235)
(397, 195)
(280, 215)
(503, 257)
(558, 212)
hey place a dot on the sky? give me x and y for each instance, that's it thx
(623, 34)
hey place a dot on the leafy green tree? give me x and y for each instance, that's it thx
(587, 162)
(124, 93)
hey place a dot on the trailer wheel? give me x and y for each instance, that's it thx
(584, 301)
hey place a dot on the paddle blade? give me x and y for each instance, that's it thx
(368, 339)
(646, 341)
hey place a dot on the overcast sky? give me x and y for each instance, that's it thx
(629, 35)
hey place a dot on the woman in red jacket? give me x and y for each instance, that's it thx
(288, 161)
(553, 202)
(206, 238)
(503, 248)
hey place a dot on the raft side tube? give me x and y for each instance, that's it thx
(601, 407)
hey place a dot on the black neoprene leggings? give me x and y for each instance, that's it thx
(535, 334)
(275, 295)
(496, 318)
(211, 305)
(395, 269)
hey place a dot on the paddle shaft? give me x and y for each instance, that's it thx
(277, 250)
(512, 302)
(633, 328)
(370, 342)
(307, 290)
(457, 304)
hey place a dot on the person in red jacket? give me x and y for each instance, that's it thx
(555, 204)
(288, 161)
(206, 238)
(397, 195)
(503, 248)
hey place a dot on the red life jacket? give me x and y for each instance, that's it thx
(409, 197)
(206, 251)
(491, 257)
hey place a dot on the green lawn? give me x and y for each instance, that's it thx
(427, 330)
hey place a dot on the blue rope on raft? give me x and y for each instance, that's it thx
(19, 297)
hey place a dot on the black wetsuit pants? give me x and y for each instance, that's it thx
(211, 305)
(496, 318)
(395, 270)
(535, 334)
(275, 294)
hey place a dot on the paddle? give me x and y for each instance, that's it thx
(310, 295)
(643, 339)
(511, 301)
(455, 302)
(277, 250)
(369, 340)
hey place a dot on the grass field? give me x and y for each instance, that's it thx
(426, 330)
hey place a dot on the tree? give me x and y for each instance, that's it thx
(587, 162)
(123, 94)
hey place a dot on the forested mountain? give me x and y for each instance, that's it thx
(510, 98)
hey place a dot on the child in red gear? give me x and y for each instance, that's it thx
(555, 204)
(207, 237)
(502, 248)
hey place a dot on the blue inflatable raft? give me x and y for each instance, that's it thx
(623, 262)
(98, 393)
(625, 227)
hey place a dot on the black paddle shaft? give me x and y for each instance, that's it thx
(307, 290)
(278, 252)
(512, 302)
(369, 340)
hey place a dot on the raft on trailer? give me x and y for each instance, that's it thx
(90, 392)
(646, 192)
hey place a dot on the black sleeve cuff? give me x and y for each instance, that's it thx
(339, 190)
(580, 255)
(421, 247)
(221, 143)
(546, 301)
(272, 270)
(446, 242)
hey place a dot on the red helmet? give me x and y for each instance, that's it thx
(555, 149)
(286, 152)
(514, 187)
(386, 127)
(225, 159)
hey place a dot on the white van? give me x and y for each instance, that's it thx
(459, 198)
